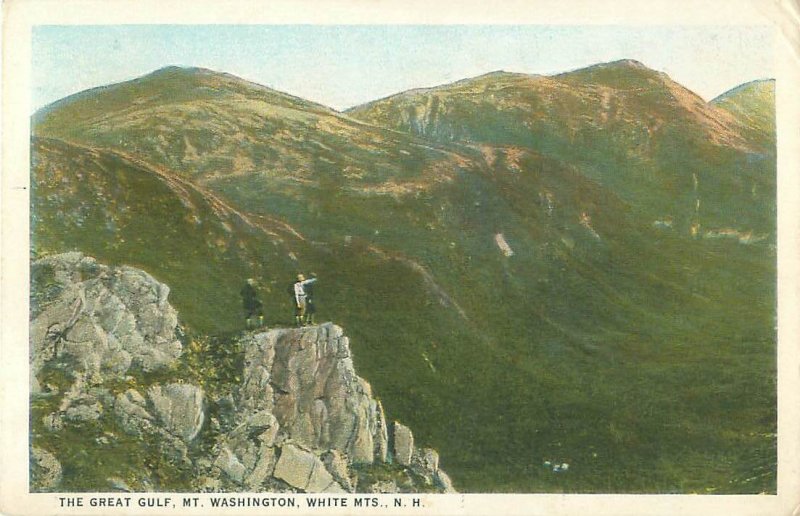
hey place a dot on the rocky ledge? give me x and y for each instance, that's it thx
(119, 402)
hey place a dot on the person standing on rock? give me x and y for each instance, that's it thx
(254, 314)
(311, 307)
(301, 297)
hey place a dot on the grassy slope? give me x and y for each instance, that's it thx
(123, 213)
(753, 105)
(628, 127)
(594, 352)
(206, 126)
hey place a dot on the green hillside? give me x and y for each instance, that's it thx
(658, 145)
(753, 105)
(209, 126)
(502, 299)
(114, 208)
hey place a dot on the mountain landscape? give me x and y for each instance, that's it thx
(534, 271)
(653, 142)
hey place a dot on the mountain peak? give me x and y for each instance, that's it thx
(620, 74)
(756, 86)
(628, 63)
(172, 68)
(193, 73)
(180, 70)
(168, 85)
(619, 66)
(496, 73)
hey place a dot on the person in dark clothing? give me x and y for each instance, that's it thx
(254, 314)
(311, 308)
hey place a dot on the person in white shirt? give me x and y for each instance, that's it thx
(301, 297)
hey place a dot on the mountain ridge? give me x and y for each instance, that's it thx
(640, 134)
(198, 75)
(222, 132)
(573, 77)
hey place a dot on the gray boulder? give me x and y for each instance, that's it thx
(425, 460)
(303, 470)
(229, 463)
(443, 482)
(180, 408)
(130, 409)
(84, 412)
(425, 463)
(403, 444)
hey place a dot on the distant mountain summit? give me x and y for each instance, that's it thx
(633, 129)
(213, 126)
(602, 96)
(614, 72)
(762, 89)
(171, 84)
(753, 105)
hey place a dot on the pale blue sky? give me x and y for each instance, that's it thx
(342, 66)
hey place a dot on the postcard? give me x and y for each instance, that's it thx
(400, 258)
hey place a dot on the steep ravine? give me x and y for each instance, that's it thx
(122, 399)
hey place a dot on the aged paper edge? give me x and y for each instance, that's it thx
(21, 15)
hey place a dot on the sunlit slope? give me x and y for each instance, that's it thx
(207, 125)
(658, 145)
(753, 105)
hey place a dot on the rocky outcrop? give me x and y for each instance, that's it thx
(107, 366)
(98, 321)
(306, 379)
(303, 417)
(90, 326)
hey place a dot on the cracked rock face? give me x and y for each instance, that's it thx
(306, 379)
(100, 320)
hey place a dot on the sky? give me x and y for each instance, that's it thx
(345, 65)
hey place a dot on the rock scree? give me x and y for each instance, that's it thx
(109, 372)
